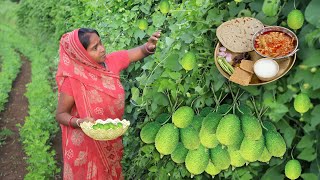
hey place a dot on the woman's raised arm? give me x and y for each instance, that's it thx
(138, 53)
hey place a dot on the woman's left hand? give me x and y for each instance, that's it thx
(152, 41)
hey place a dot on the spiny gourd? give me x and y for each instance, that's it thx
(228, 129)
(142, 24)
(179, 154)
(183, 116)
(197, 122)
(295, 19)
(164, 6)
(188, 61)
(302, 103)
(208, 140)
(293, 169)
(265, 156)
(210, 122)
(212, 169)
(207, 134)
(236, 160)
(197, 160)
(268, 126)
(251, 127)
(149, 131)
(167, 139)
(220, 157)
(251, 150)
(190, 138)
(275, 143)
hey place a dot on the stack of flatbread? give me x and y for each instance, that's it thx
(236, 34)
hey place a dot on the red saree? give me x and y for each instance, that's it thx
(98, 93)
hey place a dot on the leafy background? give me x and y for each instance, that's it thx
(158, 85)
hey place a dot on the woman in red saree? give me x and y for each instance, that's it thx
(89, 89)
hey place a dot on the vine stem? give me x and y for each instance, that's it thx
(154, 70)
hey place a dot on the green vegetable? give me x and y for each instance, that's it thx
(295, 19)
(197, 160)
(142, 24)
(251, 127)
(149, 131)
(220, 157)
(275, 143)
(190, 138)
(164, 6)
(293, 169)
(251, 150)
(188, 61)
(225, 65)
(183, 116)
(302, 103)
(228, 130)
(179, 154)
(270, 7)
(167, 139)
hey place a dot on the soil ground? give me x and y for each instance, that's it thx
(12, 157)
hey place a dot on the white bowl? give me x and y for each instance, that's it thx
(266, 69)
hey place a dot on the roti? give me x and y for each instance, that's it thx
(236, 34)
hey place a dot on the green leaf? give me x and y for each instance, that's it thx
(277, 111)
(172, 62)
(308, 154)
(166, 84)
(139, 34)
(316, 81)
(169, 41)
(305, 142)
(315, 120)
(309, 176)
(312, 13)
(158, 19)
(214, 17)
(288, 132)
(310, 56)
(273, 173)
(153, 169)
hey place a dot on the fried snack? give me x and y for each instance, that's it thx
(247, 65)
(241, 77)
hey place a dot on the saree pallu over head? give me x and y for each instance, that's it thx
(98, 93)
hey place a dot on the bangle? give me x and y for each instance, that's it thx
(69, 122)
(77, 121)
(146, 49)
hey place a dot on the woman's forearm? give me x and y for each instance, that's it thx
(138, 53)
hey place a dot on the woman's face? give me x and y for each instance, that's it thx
(96, 49)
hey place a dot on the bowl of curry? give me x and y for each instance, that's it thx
(275, 42)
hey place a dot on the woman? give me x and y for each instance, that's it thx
(89, 88)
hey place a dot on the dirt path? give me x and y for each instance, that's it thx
(12, 157)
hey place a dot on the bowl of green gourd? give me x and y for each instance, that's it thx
(104, 130)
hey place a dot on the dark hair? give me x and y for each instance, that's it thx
(84, 37)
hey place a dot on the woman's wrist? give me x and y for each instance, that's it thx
(146, 51)
(74, 122)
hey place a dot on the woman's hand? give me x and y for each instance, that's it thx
(87, 119)
(140, 52)
(152, 41)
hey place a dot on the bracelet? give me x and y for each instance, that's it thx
(146, 49)
(77, 122)
(69, 122)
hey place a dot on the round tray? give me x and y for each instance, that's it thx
(285, 65)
